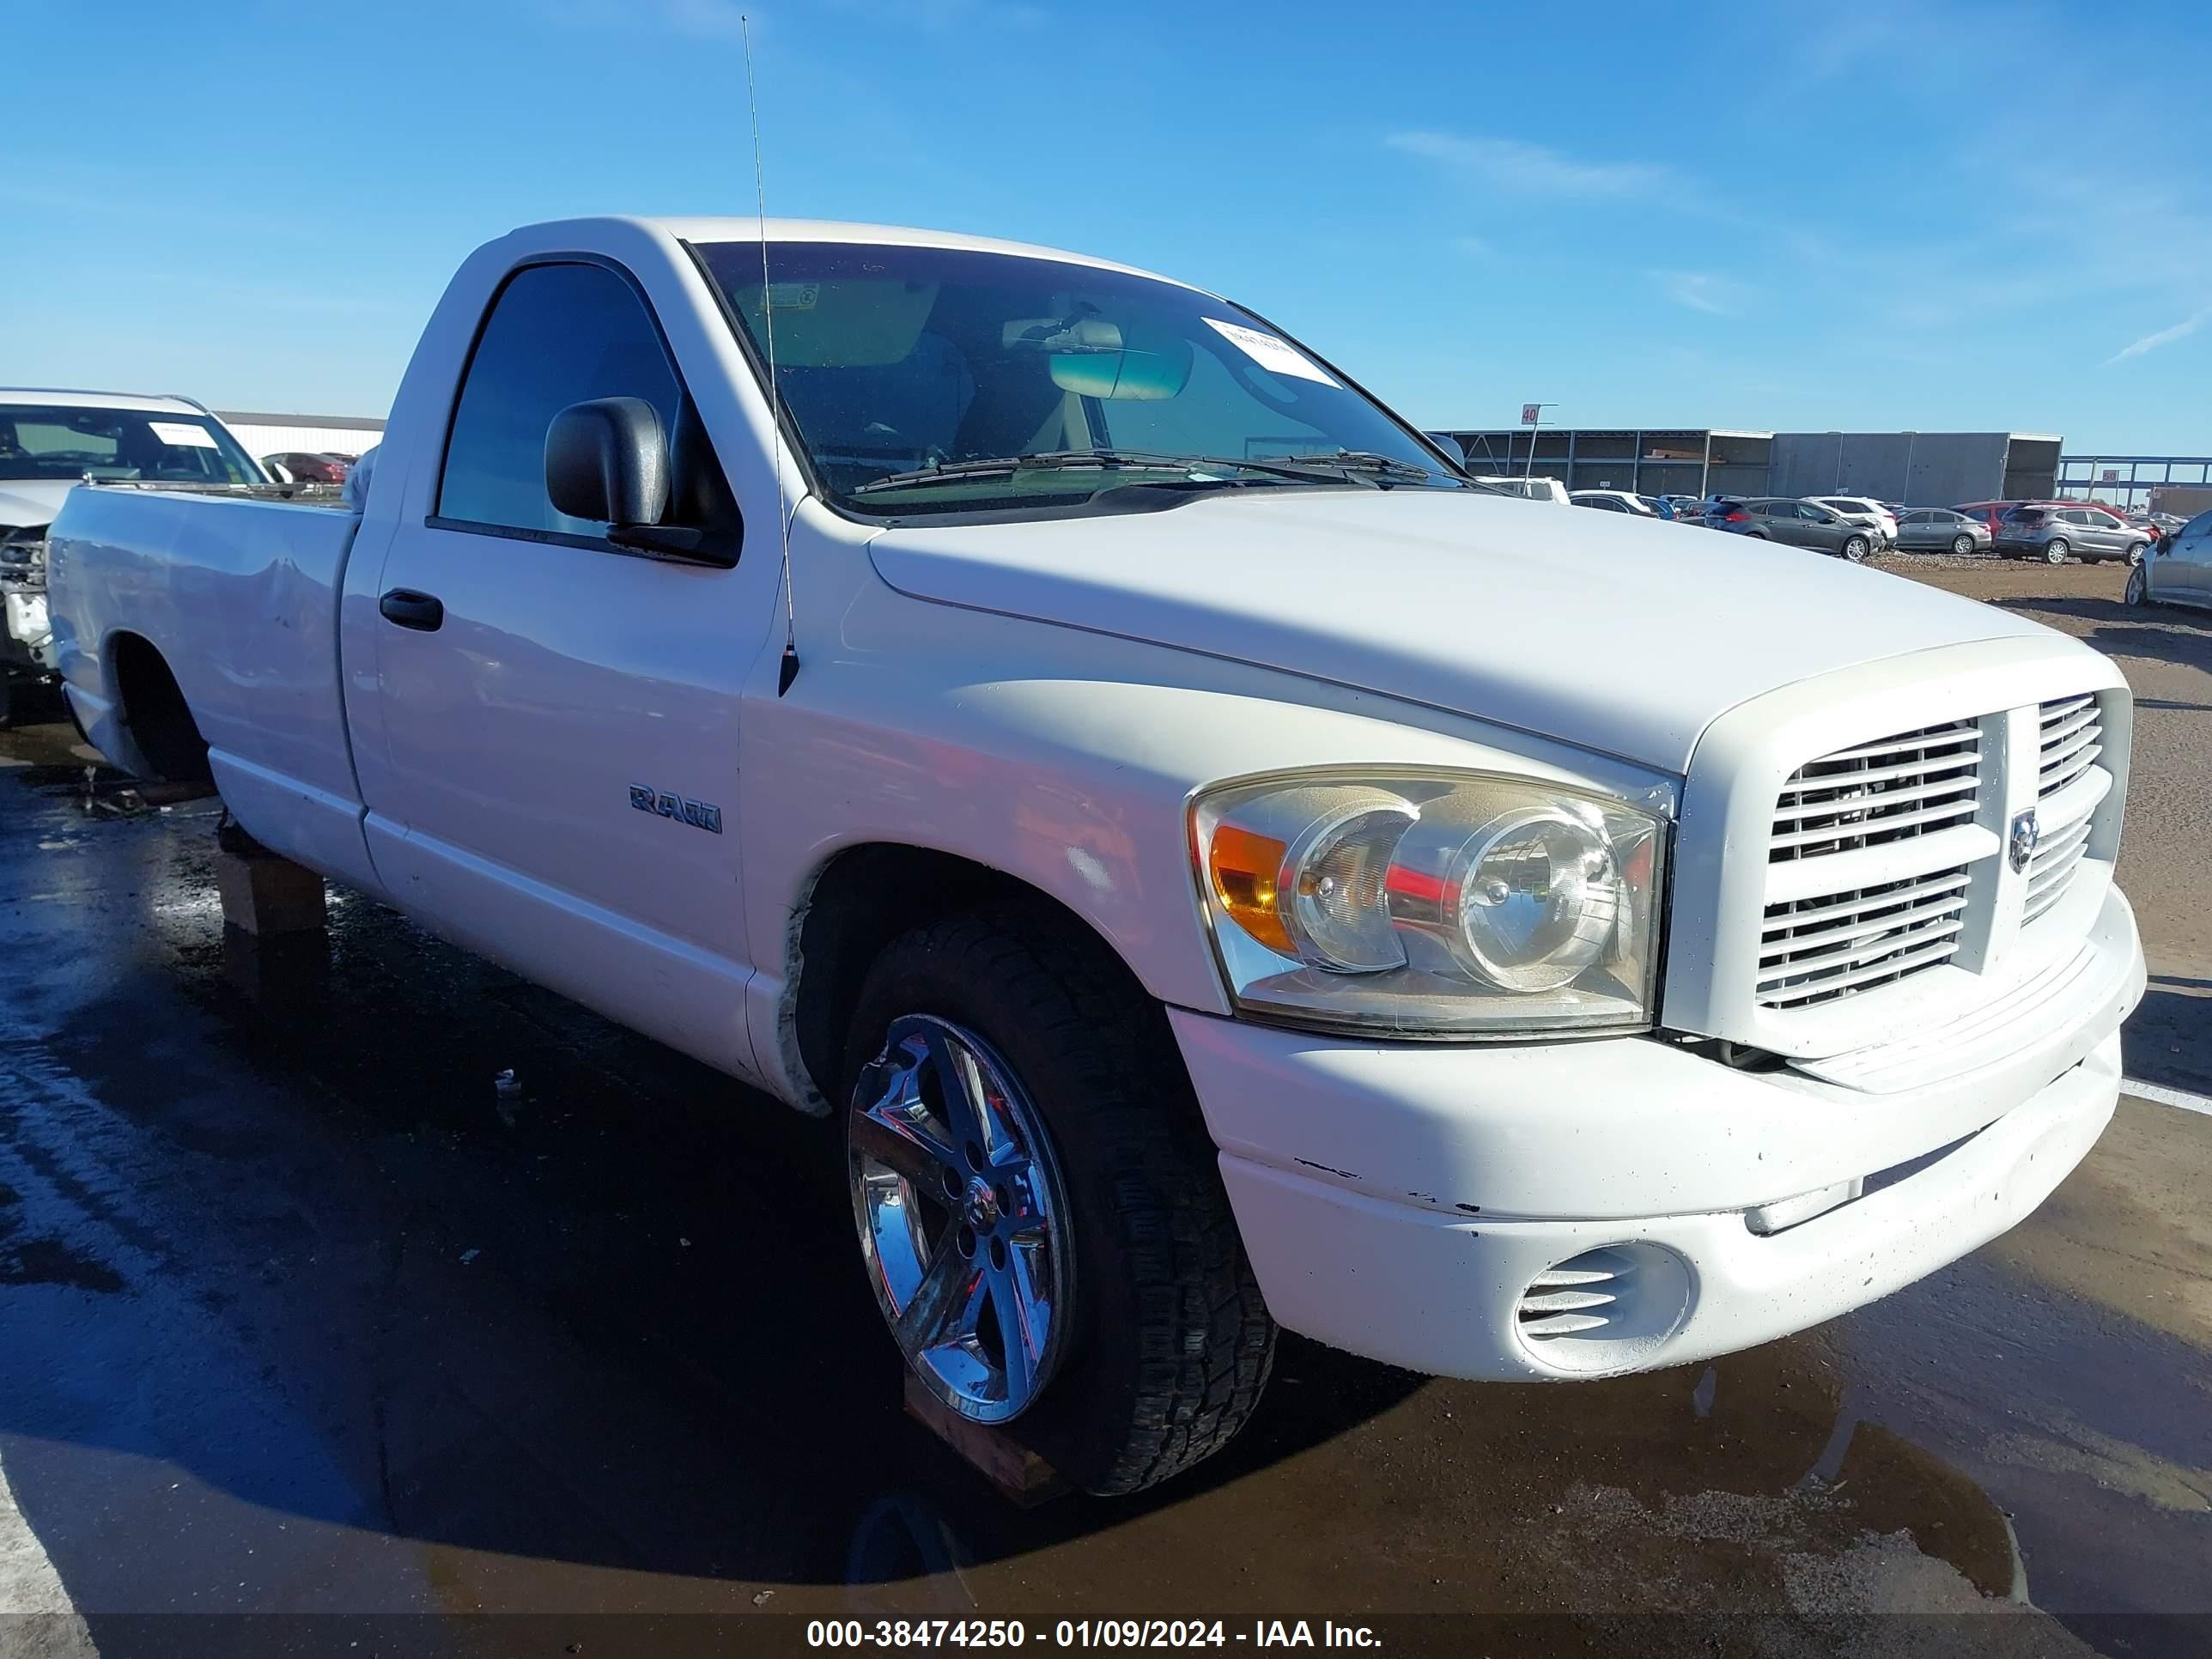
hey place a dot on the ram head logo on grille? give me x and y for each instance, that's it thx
(2027, 833)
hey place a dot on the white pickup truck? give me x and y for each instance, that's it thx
(1218, 867)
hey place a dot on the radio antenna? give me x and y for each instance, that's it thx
(787, 670)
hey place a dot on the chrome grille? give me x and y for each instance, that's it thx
(1816, 949)
(1850, 940)
(1888, 868)
(2052, 870)
(1913, 784)
(2073, 737)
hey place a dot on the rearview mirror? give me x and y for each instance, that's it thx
(607, 461)
(1092, 357)
(1123, 375)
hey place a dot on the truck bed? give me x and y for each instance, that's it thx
(241, 597)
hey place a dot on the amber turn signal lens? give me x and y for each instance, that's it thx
(1244, 869)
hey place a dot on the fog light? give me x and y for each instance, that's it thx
(1609, 1309)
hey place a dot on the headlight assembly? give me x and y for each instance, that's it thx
(1433, 906)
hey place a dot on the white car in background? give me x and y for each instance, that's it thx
(1537, 488)
(52, 441)
(1863, 507)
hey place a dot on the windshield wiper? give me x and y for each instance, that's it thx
(1368, 460)
(1316, 470)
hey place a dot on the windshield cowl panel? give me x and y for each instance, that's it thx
(923, 379)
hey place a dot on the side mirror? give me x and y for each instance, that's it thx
(607, 461)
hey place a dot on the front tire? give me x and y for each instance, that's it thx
(1004, 1054)
(2055, 550)
(1962, 545)
(1856, 549)
(2137, 593)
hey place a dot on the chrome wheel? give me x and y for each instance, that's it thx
(1962, 545)
(961, 1218)
(2138, 589)
(2055, 551)
(1854, 549)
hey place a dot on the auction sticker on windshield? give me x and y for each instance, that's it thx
(178, 433)
(1270, 353)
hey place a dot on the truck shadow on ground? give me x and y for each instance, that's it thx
(610, 1322)
(2163, 1040)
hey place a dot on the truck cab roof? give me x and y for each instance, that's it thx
(748, 229)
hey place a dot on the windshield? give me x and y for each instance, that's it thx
(62, 443)
(895, 360)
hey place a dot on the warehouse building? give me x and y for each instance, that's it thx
(1922, 468)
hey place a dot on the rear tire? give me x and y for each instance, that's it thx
(1962, 545)
(2136, 551)
(1166, 1343)
(2055, 551)
(1856, 549)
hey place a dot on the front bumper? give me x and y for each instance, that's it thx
(1399, 1201)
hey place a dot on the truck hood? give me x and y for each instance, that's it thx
(31, 500)
(1609, 633)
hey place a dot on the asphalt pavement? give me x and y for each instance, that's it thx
(312, 1339)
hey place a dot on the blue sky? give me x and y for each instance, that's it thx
(1790, 215)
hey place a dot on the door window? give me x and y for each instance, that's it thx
(558, 335)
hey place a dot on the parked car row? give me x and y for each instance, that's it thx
(1854, 526)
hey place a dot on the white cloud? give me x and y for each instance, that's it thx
(1703, 290)
(1510, 164)
(2182, 330)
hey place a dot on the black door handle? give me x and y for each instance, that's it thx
(409, 609)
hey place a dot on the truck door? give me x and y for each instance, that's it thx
(557, 784)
